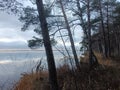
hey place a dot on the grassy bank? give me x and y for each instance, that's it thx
(104, 77)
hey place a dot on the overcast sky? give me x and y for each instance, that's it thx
(10, 31)
(11, 35)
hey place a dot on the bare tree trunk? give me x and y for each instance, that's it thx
(47, 44)
(71, 61)
(70, 36)
(103, 30)
(108, 30)
(89, 33)
(117, 36)
(92, 57)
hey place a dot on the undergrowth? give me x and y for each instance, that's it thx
(104, 77)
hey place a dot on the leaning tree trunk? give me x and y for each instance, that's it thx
(70, 36)
(47, 44)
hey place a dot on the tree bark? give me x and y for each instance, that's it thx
(89, 33)
(103, 30)
(47, 45)
(70, 36)
(108, 30)
(92, 58)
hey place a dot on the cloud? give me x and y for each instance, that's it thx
(7, 40)
(10, 30)
(13, 45)
(9, 21)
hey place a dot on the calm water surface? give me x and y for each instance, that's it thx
(13, 63)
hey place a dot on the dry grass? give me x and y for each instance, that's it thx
(106, 77)
(101, 59)
(32, 81)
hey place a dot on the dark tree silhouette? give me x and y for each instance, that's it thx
(47, 44)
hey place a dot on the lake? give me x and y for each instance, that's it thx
(15, 62)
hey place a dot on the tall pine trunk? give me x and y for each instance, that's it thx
(70, 36)
(108, 30)
(103, 30)
(47, 45)
(92, 58)
(89, 33)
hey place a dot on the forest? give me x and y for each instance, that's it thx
(97, 68)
